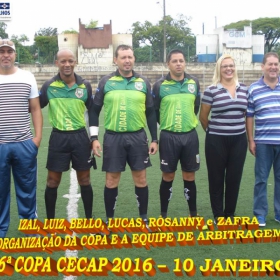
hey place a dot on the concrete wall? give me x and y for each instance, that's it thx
(242, 45)
(238, 38)
(95, 57)
(241, 56)
(120, 39)
(258, 48)
(203, 71)
(68, 41)
(94, 47)
(207, 47)
(100, 37)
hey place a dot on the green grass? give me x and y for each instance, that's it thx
(126, 207)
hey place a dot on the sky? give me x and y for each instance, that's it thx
(31, 15)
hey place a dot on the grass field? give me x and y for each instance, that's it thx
(127, 207)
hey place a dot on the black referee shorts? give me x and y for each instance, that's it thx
(183, 147)
(120, 148)
(68, 146)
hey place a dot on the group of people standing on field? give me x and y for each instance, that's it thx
(238, 115)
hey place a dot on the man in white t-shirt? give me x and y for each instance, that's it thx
(18, 147)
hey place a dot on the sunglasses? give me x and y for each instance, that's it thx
(6, 42)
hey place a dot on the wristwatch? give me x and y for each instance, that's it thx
(155, 141)
(93, 138)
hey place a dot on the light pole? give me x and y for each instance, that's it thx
(164, 33)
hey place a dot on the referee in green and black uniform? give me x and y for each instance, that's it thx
(177, 102)
(68, 96)
(128, 106)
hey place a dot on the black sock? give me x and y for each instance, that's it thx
(165, 193)
(50, 201)
(87, 197)
(190, 195)
(110, 200)
(142, 197)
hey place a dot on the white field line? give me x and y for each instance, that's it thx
(72, 211)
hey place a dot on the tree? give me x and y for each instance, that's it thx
(71, 31)
(143, 54)
(24, 55)
(20, 39)
(269, 27)
(46, 48)
(46, 32)
(46, 44)
(277, 48)
(92, 24)
(178, 35)
(3, 27)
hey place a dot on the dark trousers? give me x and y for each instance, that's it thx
(225, 157)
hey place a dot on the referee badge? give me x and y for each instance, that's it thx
(138, 85)
(191, 88)
(79, 92)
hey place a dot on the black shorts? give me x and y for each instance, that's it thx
(66, 147)
(122, 147)
(179, 146)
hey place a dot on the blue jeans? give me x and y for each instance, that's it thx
(21, 158)
(266, 156)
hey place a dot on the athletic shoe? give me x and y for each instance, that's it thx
(216, 220)
(102, 233)
(146, 221)
(261, 221)
(277, 218)
(99, 233)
